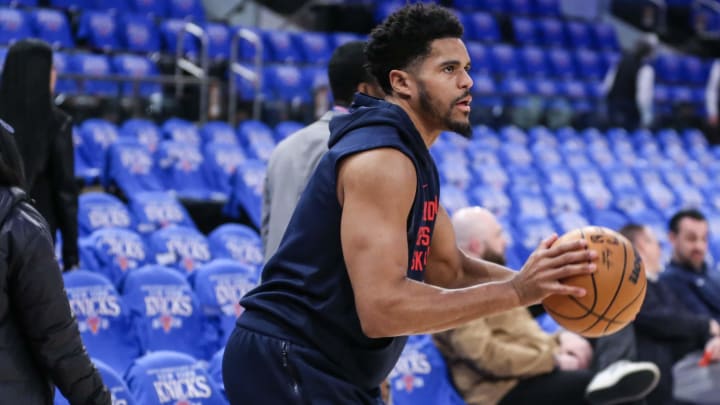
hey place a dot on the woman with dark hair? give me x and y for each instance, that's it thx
(43, 134)
(40, 344)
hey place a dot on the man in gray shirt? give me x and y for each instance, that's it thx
(295, 158)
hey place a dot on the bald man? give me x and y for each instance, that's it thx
(507, 359)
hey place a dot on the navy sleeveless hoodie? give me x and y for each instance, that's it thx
(305, 295)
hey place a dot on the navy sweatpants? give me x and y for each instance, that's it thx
(264, 370)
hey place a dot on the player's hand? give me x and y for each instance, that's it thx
(575, 345)
(713, 347)
(714, 328)
(567, 362)
(550, 263)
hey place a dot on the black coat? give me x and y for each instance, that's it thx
(53, 187)
(40, 344)
(665, 332)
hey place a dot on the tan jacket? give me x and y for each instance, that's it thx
(488, 356)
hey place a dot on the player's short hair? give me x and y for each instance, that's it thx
(674, 224)
(346, 70)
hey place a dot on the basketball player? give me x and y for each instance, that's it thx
(369, 255)
(506, 358)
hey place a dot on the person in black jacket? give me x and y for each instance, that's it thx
(665, 331)
(40, 344)
(43, 134)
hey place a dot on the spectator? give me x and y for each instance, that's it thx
(688, 273)
(507, 359)
(665, 331)
(711, 103)
(629, 86)
(39, 336)
(295, 158)
(43, 134)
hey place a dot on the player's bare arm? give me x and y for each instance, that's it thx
(377, 189)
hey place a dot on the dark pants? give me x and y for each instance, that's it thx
(558, 387)
(263, 370)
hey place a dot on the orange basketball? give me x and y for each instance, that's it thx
(614, 292)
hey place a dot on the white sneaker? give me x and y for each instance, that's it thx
(622, 381)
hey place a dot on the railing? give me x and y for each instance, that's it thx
(236, 68)
(185, 64)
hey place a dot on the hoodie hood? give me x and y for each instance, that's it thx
(369, 111)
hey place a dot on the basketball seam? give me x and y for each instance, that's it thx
(628, 305)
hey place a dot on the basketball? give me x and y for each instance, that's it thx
(614, 292)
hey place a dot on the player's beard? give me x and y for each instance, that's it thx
(461, 127)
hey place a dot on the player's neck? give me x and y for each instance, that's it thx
(428, 130)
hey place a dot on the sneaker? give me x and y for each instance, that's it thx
(622, 381)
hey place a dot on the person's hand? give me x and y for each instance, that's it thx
(575, 345)
(713, 347)
(547, 265)
(714, 328)
(567, 362)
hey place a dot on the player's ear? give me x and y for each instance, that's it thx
(401, 83)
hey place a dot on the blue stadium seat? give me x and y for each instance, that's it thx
(215, 368)
(660, 196)
(481, 27)
(71, 4)
(544, 87)
(186, 9)
(237, 242)
(314, 47)
(514, 87)
(98, 210)
(113, 252)
(286, 128)
(479, 58)
(14, 25)
(579, 35)
(285, 83)
(561, 63)
(156, 210)
(63, 64)
(688, 196)
(170, 32)
(219, 41)
(181, 130)
(218, 132)
(556, 176)
(97, 137)
(541, 136)
(514, 134)
(521, 7)
(143, 131)
(668, 68)
(455, 172)
(221, 163)
(596, 196)
(589, 64)
(152, 8)
(561, 200)
(94, 65)
(384, 9)
(504, 60)
(528, 205)
(340, 38)
(153, 380)
(527, 235)
(421, 377)
(279, 47)
(695, 70)
(219, 285)
(246, 192)
(492, 199)
(525, 31)
(138, 33)
(551, 31)
(605, 36)
(98, 28)
(166, 314)
(182, 248)
(257, 139)
(515, 155)
(608, 218)
(137, 66)
(533, 61)
(131, 168)
(620, 178)
(181, 168)
(83, 170)
(492, 175)
(453, 198)
(103, 319)
(568, 221)
(53, 27)
(549, 8)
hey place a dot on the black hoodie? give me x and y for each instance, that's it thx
(305, 295)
